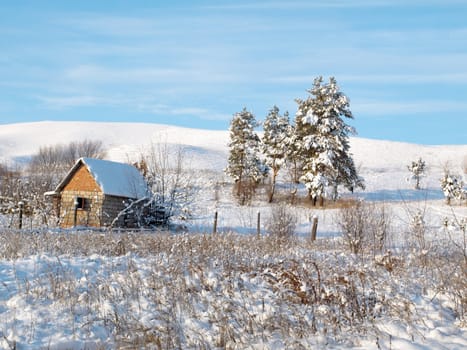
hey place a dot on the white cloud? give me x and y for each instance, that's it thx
(64, 102)
(371, 66)
(141, 103)
(100, 74)
(189, 110)
(380, 108)
(123, 75)
(278, 5)
(201, 113)
(407, 79)
(110, 25)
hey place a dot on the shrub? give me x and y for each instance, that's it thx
(282, 222)
(452, 187)
(364, 224)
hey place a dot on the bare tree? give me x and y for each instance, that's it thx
(57, 159)
(171, 185)
(86, 148)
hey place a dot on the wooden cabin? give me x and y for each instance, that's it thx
(95, 192)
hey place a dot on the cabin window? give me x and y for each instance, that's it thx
(80, 203)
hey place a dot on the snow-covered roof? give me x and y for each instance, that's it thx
(116, 179)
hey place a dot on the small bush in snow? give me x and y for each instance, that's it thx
(282, 222)
(352, 221)
(418, 228)
(364, 225)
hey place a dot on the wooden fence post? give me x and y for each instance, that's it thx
(75, 213)
(314, 228)
(21, 208)
(258, 225)
(214, 230)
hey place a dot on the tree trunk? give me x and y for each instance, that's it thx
(314, 228)
(335, 193)
(273, 185)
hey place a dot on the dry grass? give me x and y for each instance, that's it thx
(307, 289)
(328, 204)
(282, 196)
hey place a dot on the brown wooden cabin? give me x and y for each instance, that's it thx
(94, 193)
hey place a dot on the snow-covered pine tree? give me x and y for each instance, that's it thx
(417, 168)
(277, 131)
(294, 152)
(452, 187)
(244, 164)
(324, 140)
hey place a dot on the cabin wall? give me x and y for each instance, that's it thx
(111, 208)
(99, 210)
(89, 215)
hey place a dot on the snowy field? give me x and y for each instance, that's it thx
(193, 290)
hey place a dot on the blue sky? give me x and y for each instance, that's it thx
(403, 64)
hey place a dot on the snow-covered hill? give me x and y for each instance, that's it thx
(206, 148)
(122, 140)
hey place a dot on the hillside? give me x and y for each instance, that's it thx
(206, 148)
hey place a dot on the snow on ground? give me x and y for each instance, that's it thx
(223, 291)
(56, 296)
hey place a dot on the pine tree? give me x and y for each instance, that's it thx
(294, 151)
(244, 164)
(323, 138)
(274, 143)
(418, 170)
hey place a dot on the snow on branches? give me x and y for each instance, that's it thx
(316, 148)
(323, 140)
(244, 164)
(453, 187)
(417, 168)
(277, 132)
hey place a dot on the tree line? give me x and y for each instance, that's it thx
(314, 147)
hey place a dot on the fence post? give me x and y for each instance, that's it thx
(258, 225)
(75, 213)
(314, 228)
(21, 208)
(214, 230)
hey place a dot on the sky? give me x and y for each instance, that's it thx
(402, 64)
